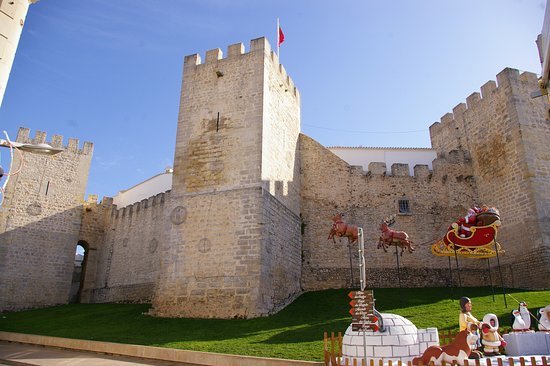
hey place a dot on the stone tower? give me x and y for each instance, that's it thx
(234, 247)
(505, 132)
(40, 222)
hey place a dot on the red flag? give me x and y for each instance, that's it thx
(281, 36)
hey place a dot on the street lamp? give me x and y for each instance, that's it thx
(43, 149)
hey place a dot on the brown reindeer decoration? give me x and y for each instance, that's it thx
(340, 229)
(393, 237)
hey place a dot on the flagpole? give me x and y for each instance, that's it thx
(278, 50)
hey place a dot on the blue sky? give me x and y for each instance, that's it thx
(370, 73)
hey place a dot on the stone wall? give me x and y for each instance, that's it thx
(244, 229)
(506, 133)
(124, 267)
(281, 262)
(436, 199)
(40, 222)
(211, 261)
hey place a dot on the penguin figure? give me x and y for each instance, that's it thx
(544, 321)
(525, 315)
(518, 324)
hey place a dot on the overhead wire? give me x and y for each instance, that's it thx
(356, 131)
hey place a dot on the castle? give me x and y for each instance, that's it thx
(243, 230)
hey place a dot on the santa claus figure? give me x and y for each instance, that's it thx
(468, 221)
(491, 339)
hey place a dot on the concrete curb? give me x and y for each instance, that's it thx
(155, 353)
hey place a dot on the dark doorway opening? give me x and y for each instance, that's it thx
(79, 272)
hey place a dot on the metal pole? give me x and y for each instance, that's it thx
(278, 50)
(458, 269)
(501, 279)
(362, 281)
(362, 273)
(491, 280)
(398, 272)
(451, 278)
(350, 265)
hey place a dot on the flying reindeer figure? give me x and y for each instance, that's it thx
(393, 237)
(340, 228)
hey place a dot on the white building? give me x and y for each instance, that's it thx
(403, 155)
(12, 20)
(157, 184)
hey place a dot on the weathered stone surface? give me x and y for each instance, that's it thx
(244, 229)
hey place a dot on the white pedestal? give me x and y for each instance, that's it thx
(527, 343)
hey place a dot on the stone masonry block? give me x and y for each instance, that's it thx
(73, 145)
(57, 141)
(23, 134)
(214, 55)
(459, 110)
(421, 171)
(260, 44)
(447, 118)
(488, 88)
(235, 49)
(528, 77)
(192, 60)
(377, 168)
(507, 76)
(39, 137)
(473, 99)
(400, 170)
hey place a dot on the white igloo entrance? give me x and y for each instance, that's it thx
(399, 340)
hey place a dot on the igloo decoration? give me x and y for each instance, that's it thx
(400, 340)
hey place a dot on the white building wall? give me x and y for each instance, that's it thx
(364, 155)
(151, 187)
(12, 19)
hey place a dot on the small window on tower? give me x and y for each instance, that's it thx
(404, 206)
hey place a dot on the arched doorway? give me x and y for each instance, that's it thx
(79, 272)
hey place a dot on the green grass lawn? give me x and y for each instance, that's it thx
(296, 332)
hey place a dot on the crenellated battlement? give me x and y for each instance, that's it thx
(92, 199)
(441, 166)
(137, 207)
(23, 136)
(469, 121)
(505, 79)
(235, 52)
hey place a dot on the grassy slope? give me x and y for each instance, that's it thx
(295, 333)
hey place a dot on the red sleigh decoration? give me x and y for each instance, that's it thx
(480, 244)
